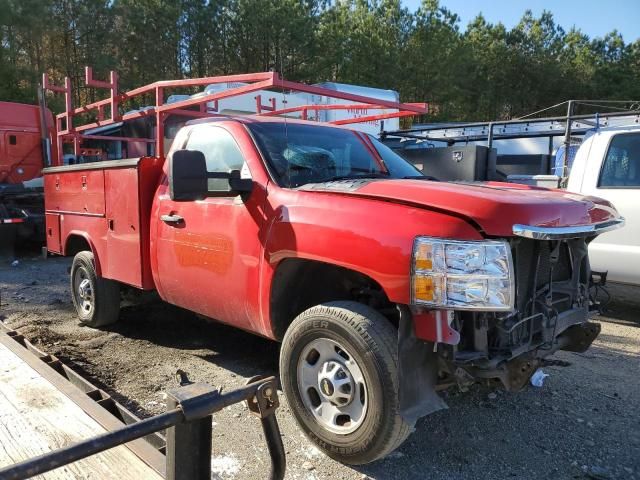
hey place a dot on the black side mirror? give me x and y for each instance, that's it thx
(239, 185)
(187, 175)
(227, 184)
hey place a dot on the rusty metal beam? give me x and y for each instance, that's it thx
(232, 92)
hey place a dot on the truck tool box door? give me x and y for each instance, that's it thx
(123, 225)
(52, 226)
(74, 191)
(209, 261)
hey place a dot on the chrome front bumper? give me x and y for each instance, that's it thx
(559, 233)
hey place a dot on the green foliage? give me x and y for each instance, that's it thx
(483, 71)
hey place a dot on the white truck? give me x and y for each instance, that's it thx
(607, 165)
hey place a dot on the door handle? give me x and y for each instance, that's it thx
(172, 219)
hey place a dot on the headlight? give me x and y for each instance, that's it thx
(458, 275)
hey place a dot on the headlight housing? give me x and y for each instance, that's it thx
(462, 275)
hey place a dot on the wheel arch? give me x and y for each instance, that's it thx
(79, 241)
(300, 283)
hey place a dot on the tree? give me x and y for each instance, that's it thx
(272, 35)
(482, 72)
(434, 64)
(489, 81)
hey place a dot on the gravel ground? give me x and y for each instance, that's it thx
(583, 423)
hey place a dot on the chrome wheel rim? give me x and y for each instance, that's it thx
(332, 386)
(83, 291)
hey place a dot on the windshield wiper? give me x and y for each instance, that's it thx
(420, 177)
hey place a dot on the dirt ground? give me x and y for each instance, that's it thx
(583, 423)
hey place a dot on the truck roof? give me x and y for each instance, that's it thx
(19, 115)
(248, 119)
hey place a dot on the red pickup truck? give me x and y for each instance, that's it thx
(382, 285)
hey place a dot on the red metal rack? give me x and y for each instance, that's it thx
(68, 132)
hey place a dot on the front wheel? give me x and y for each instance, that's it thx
(97, 299)
(338, 367)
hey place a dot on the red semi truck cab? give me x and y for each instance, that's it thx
(381, 285)
(21, 137)
(24, 131)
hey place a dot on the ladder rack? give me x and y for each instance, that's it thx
(107, 111)
(519, 128)
(568, 126)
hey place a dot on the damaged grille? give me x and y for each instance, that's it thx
(551, 280)
(551, 295)
(533, 264)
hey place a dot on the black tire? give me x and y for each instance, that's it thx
(372, 342)
(102, 306)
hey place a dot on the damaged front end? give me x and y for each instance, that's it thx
(549, 312)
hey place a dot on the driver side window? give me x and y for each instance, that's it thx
(220, 150)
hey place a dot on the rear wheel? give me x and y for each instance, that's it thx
(338, 367)
(97, 299)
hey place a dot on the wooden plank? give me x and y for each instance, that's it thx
(35, 418)
(140, 447)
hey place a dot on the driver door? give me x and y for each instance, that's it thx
(208, 261)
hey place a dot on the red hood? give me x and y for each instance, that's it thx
(495, 207)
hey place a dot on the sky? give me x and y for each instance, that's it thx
(596, 18)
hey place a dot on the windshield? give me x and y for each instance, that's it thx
(300, 154)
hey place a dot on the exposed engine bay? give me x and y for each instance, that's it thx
(552, 308)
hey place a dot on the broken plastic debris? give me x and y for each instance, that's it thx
(537, 379)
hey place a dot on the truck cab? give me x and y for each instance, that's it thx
(607, 165)
(21, 154)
